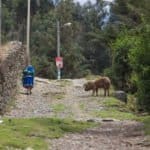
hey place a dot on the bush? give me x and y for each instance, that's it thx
(140, 61)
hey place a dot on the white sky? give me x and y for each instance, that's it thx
(92, 1)
(84, 1)
(109, 0)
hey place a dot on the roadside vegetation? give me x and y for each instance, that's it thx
(116, 109)
(33, 133)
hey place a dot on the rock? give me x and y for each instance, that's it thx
(121, 95)
(108, 120)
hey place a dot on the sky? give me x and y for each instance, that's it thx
(92, 1)
(84, 1)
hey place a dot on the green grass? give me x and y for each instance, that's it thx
(23, 133)
(92, 77)
(114, 108)
(132, 103)
(113, 102)
(112, 113)
(55, 95)
(146, 121)
(59, 108)
(59, 95)
(64, 82)
(82, 106)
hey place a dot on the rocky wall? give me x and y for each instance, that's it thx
(12, 62)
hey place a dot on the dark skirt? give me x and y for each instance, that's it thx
(28, 81)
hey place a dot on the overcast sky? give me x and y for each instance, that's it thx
(84, 1)
(92, 1)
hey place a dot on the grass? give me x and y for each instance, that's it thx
(82, 106)
(60, 95)
(23, 133)
(146, 121)
(59, 108)
(92, 77)
(132, 103)
(112, 113)
(55, 95)
(112, 102)
(116, 109)
(64, 82)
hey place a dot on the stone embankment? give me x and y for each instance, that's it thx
(12, 61)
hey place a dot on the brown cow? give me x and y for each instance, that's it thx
(102, 82)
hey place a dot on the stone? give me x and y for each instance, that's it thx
(121, 95)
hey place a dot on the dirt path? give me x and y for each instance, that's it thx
(66, 98)
(124, 135)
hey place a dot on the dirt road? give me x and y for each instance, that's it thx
(67, 99)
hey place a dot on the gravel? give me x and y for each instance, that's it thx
(109, 135)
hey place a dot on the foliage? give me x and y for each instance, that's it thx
(121, 68)
(133, 70)
(132, 103)
(140, 60)
(115, 109)
(131, 63)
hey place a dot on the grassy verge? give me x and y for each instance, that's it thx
(92, 77)
(23, 133)
(146, 121)
(116, 109)
(59, 108)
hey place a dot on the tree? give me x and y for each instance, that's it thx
(121, 68)
(140, 61)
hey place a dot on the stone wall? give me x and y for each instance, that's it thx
(12, 62)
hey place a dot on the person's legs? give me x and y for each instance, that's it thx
(30, 90)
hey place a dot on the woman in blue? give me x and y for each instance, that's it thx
(28, 78)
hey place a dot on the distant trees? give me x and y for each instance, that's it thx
(84, 46)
